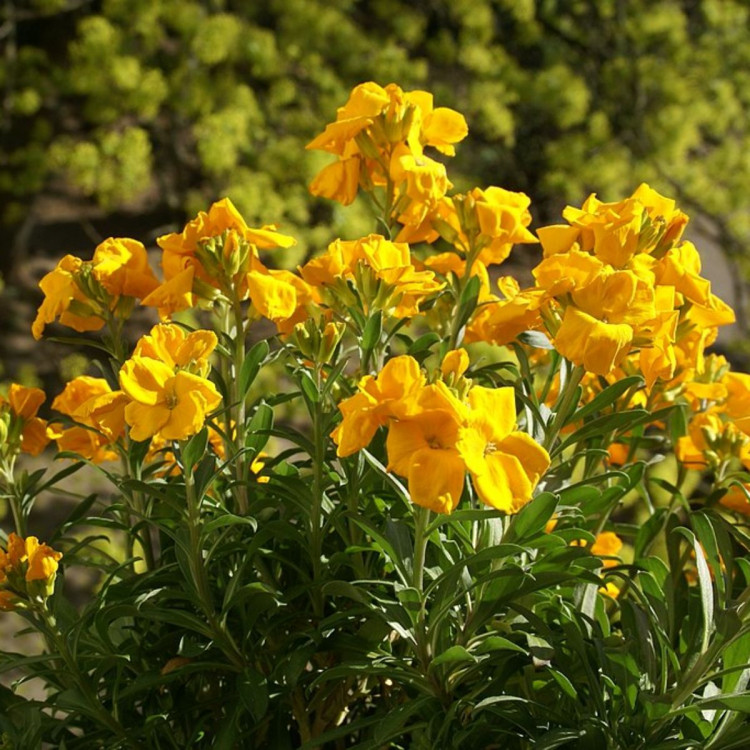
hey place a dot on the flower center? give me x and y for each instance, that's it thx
(489, 448)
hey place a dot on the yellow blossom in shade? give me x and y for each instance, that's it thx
(61, 292)
(23, 404)
(42, 560)
(736, 499)
(737, 405)
(172, 405)
(505, 464)
(693, 449)
(7, 601)
(121, 266)
(379, 398)
(500, 321)
(607, 544)
(99, 410)
(177, 348)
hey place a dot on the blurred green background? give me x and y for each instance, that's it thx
(124, 117)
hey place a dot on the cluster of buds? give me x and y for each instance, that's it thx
(318, 342)
(27, 571)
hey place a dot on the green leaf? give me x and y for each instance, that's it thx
(229, 520)
(607, 397)
(253, 691)
(309, 389)
(565, 684)
(532, 518)
(259, 428)
(453, 655)
(498, 643)
(250, 367)
(467, 302)
(423, 344)
(194, 449)
(705, 585)
(373, 330)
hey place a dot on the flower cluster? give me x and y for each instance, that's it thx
(27, 571)
(382, 273)
(218, 255)
(617, 282)
(84, 295)
(437, 433)
(379, 138)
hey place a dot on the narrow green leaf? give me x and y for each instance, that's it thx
(252, 364)
(453, 655)
(194, 449)
(607, 397)
(532, 518)
(706, 587)
(373, 330)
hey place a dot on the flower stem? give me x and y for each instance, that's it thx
(200, 577)
(565, 405)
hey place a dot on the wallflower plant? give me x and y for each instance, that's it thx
(430, 509)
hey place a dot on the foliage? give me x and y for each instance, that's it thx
(170, 102)
(461, 537)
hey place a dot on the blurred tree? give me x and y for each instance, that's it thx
(160, 106)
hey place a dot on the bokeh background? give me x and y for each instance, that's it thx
(124, 117)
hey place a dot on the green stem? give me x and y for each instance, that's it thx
(421, 521)
(565, 405)
(238, 399)
(200, 577)
(56, 642)
(316, 535)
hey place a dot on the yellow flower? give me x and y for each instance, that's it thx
(121, 266)
(338, 181)
(379, 136)
(64, 300)
(92, 403)
(171, 405)
(23, 404)
(607, 544)
(382, 271)
(272, 295)
(378, 400)
(26, 562)
(42, 560)
(173, 295)
(598, 346)
(455, 363)
(500, 321)
(179, 350)
(505, 464)
(421, 446)
(221, 249)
